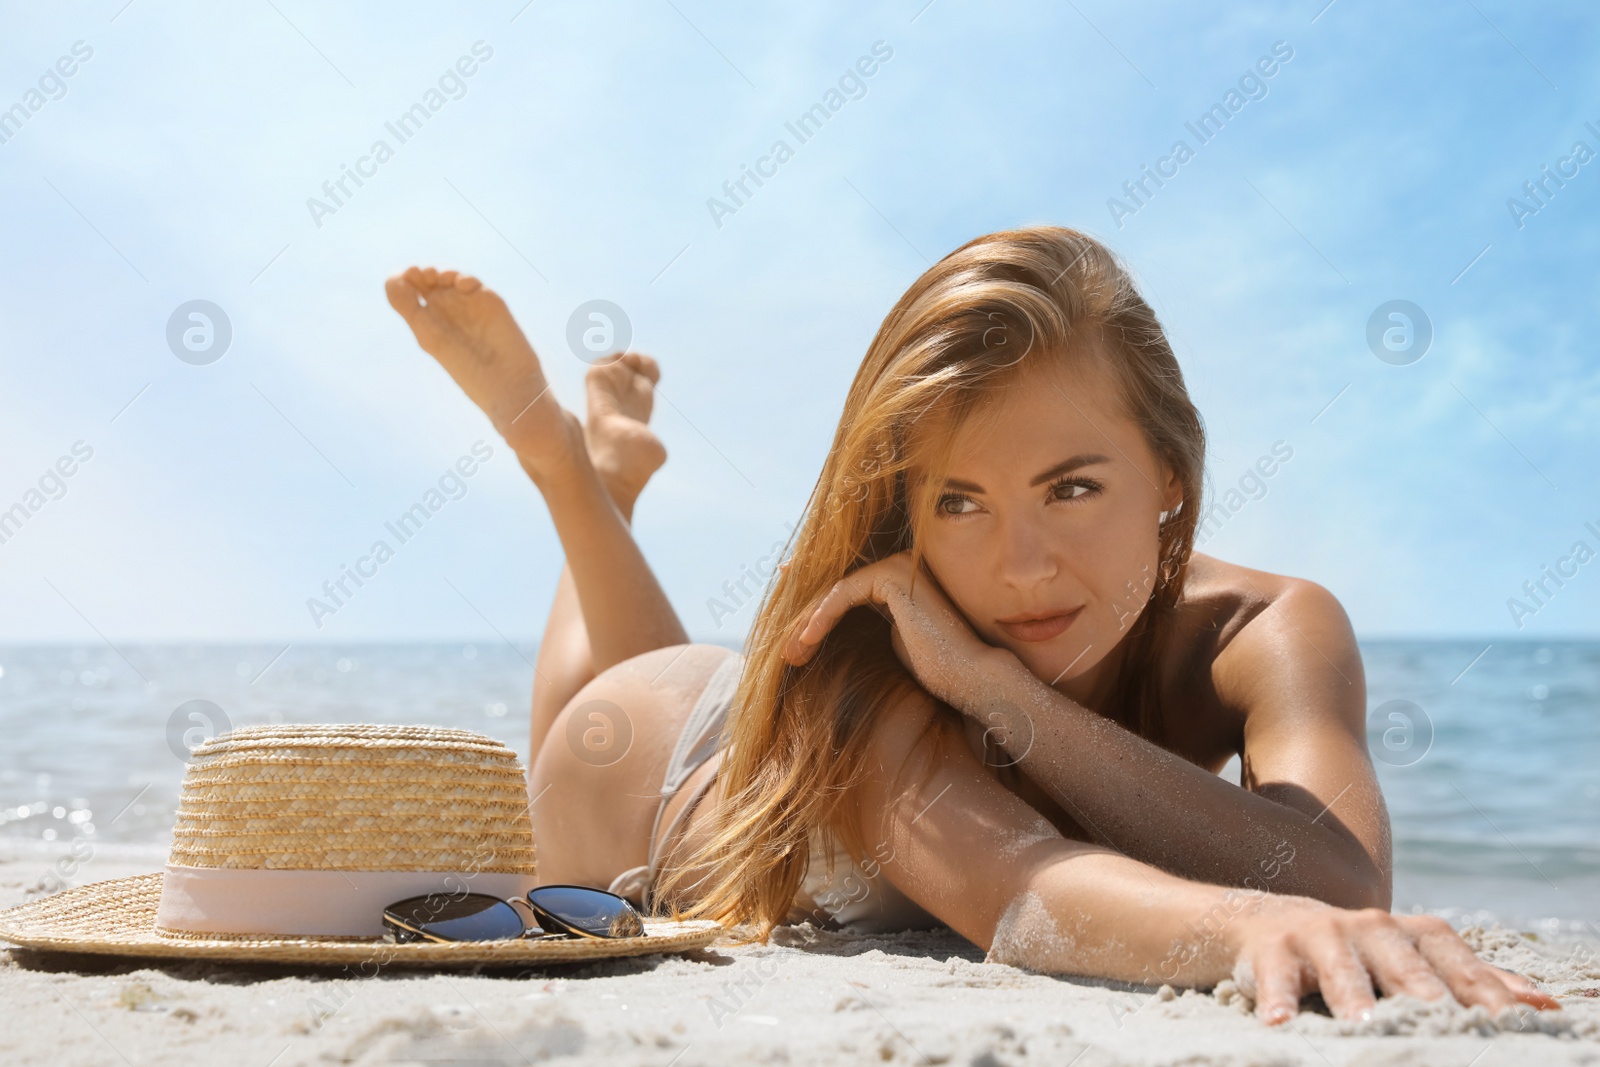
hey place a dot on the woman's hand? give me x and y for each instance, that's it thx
(930, 636)
(1290, 946)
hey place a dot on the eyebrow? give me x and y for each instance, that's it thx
(1066, 465)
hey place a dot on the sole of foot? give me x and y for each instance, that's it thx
(469, 330)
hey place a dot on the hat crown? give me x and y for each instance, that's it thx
(355, 798)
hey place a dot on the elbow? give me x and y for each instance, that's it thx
(1046, 924)
(1036, 931)
(1018, 936)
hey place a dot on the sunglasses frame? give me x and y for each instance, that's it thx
(537, 921)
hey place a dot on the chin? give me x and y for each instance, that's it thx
(1060, 660)
(1076, 658)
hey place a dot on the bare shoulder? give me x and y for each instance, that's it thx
(1269, 629)
(1228, 596)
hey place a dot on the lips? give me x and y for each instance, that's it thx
(1039, 626)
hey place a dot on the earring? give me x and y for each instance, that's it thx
(1167, 568)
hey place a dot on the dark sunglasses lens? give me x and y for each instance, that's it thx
(584, 911)
(469, 917)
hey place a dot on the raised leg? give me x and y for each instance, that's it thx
(625, 454)
(608, 593)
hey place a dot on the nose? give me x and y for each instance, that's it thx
(1027, 554)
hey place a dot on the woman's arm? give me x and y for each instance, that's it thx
(982, 861)
(1305, 745)
(1311, 819)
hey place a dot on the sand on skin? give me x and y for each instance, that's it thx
(811, 996)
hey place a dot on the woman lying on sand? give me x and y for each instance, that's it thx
(1019, 732)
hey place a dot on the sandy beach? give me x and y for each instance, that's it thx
(1092, 464)
(810, 997)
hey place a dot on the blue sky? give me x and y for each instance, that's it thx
(576, 162)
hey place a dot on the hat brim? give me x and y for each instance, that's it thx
(117, 918)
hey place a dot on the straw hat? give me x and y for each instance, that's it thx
(290, 840)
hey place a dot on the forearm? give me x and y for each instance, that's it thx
(1102, 914)
(1105, 915)
(1160, 808)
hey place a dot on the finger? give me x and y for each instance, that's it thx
(430, 277)
(1395, 964)
(1524, 989)
(466, 283)
(1344, 982)
(1471, 981)
(897, 642)
(860, 587)
(846, 593)
(448, 278)
(414, 276)
(1279, 980)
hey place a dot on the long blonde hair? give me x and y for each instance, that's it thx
(797, 735)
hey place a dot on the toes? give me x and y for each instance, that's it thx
(403, 296)
(613, 374)
(640, 363)
(425, 279)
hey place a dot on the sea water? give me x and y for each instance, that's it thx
(1488, 752)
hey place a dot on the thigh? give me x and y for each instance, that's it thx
(596, 781)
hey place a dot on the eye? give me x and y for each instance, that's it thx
(956, 504)
(1066, 489)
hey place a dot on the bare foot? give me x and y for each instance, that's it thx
(470, 331)
(624, 451)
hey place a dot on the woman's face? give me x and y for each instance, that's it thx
(1045, 531)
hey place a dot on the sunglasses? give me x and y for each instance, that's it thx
(549, 912)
